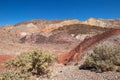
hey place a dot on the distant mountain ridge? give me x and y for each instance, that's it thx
(109, 23)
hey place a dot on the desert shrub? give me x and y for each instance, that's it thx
(105, 57)
(14, 75)
(28, 66)
(38, 62)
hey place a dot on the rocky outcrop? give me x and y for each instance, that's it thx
(52, 27)
(57, 38)
(61, 38)
(33, 38)
(110, 23)
(38, 23)
(95, 22)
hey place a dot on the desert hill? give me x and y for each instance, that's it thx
(22, 36)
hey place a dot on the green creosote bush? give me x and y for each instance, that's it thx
(105, 57)
(35, 63)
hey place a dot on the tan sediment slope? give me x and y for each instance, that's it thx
(108, 23)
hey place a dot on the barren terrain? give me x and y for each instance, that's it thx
(60, 37)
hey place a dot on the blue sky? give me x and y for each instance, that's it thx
(14, 11)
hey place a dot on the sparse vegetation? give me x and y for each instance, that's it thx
(105, 57)
(15, 75)
(35, 63)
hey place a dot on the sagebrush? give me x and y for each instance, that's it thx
(36, 62)
(15, 75)
(105, 57)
